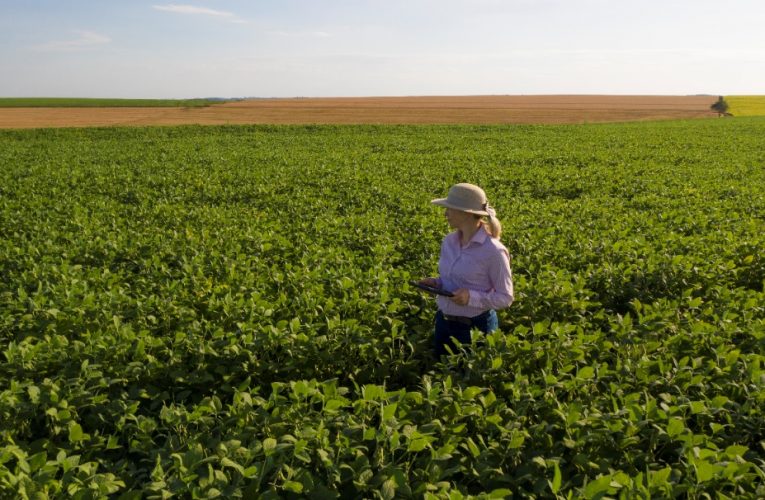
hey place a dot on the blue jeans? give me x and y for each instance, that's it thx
(447, 330)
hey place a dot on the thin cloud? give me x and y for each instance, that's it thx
(315, 34)
(200, 11)
(84, 40)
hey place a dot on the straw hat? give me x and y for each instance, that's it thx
(465, 197)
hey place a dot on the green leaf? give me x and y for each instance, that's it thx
(37, 460)
(675, 427)
(472, 447)
(371, 392)
(113, 443)
(516, 441)
(419, 443)
(295, 325)
(597, 487)
(333, 405)
(500, 493)
(251, 471)
(75, 433)
(555, 484)
(388, 490)
(389, 411)
(705, 470)
(698, 407)
(719, 401)
(660, 477)
(736, 450)
(227, 462)
(269, 444)
(34, 394)
(471, 392)
(293, 486)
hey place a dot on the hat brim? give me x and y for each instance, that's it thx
(443, 202)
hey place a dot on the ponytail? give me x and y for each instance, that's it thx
(493, 227)
(492, 224)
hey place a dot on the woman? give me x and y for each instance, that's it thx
(474, 266)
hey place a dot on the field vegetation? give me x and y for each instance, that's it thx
(743, 105)
(224, 311)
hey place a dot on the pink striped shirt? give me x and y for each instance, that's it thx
(482, 266)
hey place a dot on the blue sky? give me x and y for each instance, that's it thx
(230, 48)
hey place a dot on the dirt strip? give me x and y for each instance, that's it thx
(537, 109)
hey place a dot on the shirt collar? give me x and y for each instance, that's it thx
(478, 238)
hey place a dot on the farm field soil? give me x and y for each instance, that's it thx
(533, 109)
(88, 102)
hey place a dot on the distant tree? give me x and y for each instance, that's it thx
(720, 106)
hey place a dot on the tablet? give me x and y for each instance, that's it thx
(431, 289)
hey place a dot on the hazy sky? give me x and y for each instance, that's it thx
(284, 48)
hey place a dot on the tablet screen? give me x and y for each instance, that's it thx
(431, 289)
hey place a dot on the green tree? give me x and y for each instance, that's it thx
(720, 106)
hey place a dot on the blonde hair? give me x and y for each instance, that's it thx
(491, 225)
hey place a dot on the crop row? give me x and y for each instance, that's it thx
(225, 312)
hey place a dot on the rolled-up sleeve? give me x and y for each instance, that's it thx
(501, 276)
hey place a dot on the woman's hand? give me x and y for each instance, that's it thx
(461, 297)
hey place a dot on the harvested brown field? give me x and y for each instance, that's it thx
(531, 109)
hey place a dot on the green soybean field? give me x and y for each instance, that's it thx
(202, 312)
